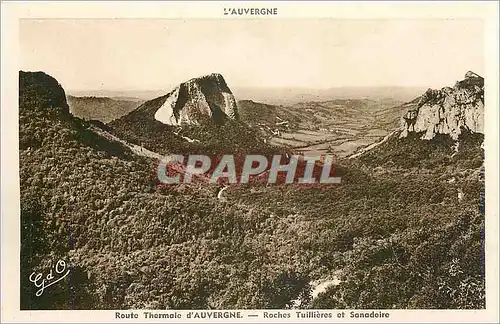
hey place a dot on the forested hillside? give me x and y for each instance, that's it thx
(403, 230)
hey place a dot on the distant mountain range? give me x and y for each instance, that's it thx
(287, 96)
(448, 110)
(404, 228)
(276, 96)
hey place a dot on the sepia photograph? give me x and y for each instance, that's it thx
(302, 164)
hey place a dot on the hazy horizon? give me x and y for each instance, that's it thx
(275, 96)
(147, 54)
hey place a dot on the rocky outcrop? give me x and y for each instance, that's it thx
(448, 111)
(203, 98)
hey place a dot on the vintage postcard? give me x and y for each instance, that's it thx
(249, 162)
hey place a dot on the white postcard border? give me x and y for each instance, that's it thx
(12, 12)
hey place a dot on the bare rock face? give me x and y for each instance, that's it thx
(449, 110)
(197, 100)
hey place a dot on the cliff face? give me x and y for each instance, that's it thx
(448, 111)
(203, 98)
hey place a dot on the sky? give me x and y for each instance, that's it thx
(146, 54)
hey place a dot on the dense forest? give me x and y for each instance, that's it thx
(404, 229)
(101, 108)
